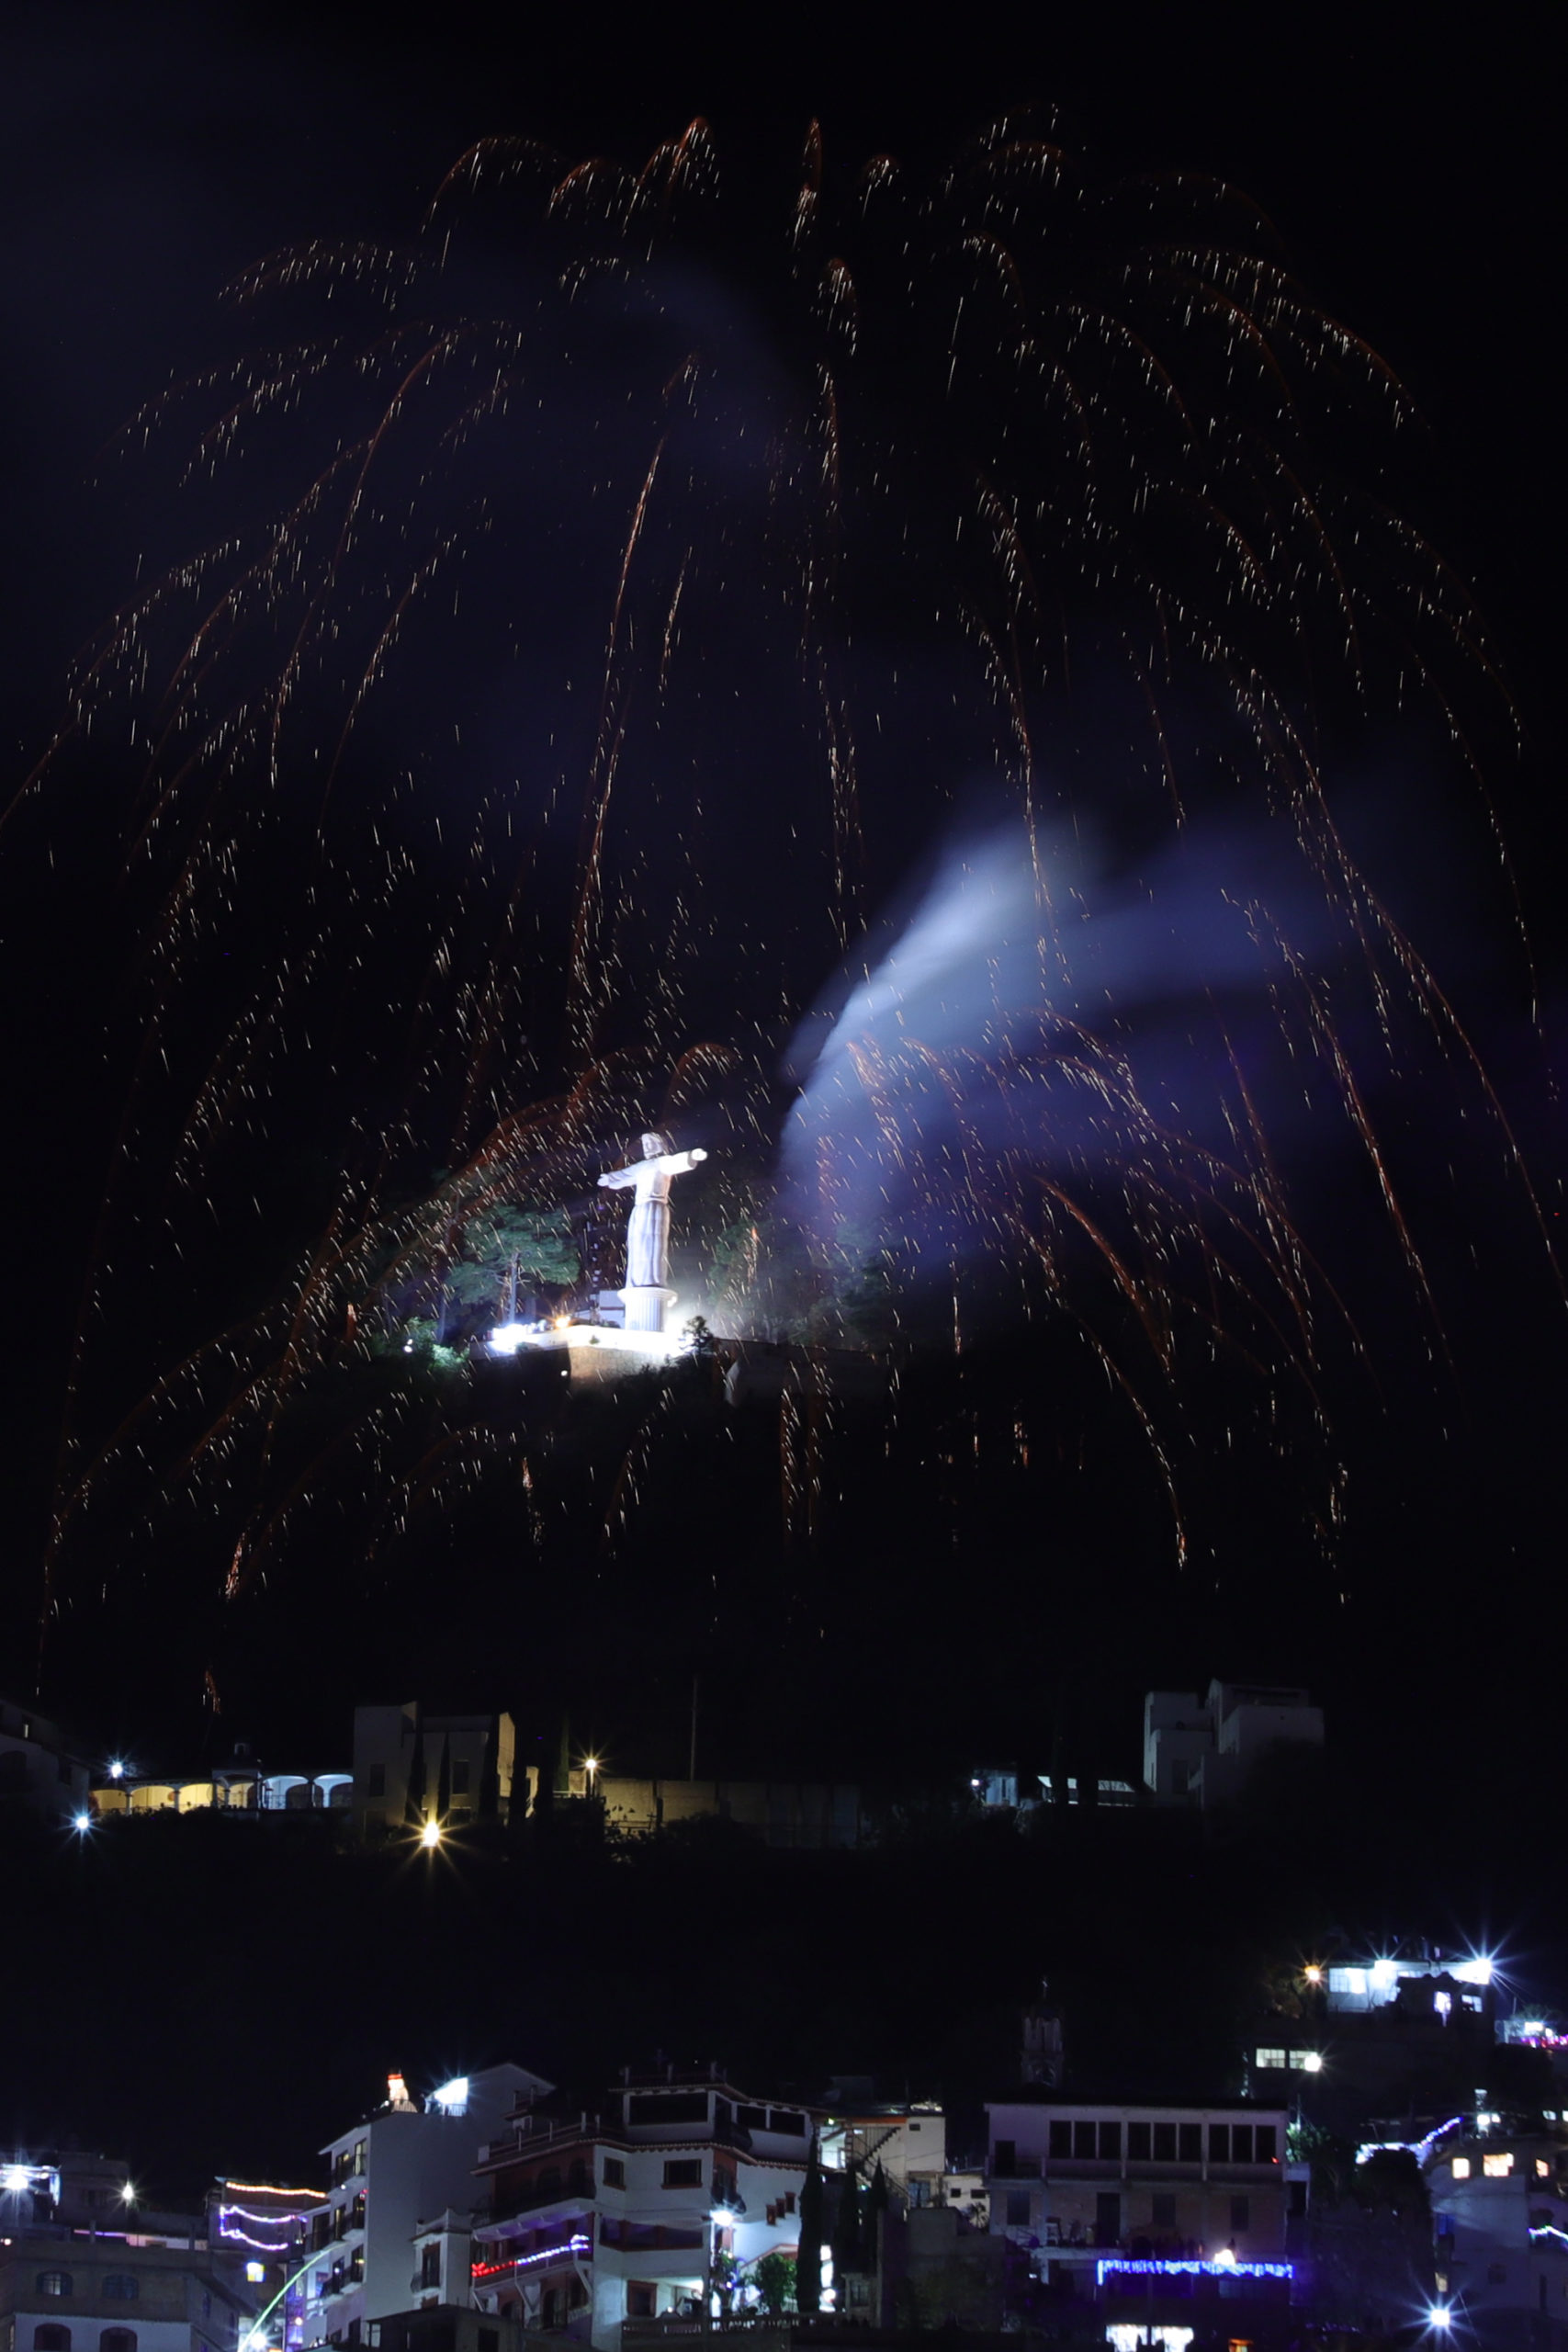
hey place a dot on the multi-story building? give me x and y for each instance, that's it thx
(37, 1767)
(1499, 2190)
(909, 2143)
(1201, 1753)
(103, 2274)
(1074, 2185)
(653, 2204)
(409, 1761)
(1386, 2035)
(409, 2160)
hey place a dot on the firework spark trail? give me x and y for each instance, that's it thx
(1023, 424)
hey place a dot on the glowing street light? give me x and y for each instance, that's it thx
(116, 1769)
(1440, 2316)
(1312, 1973)
(431, 1834)
(81, 1823)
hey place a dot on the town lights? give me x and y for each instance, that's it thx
(431, 1834)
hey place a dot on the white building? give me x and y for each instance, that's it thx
(447, 1767)
(36, 1767)
(909, 2141)
(649, 2207)
(1201, 1753)
(1499, 2192)
(389, 2174)
(121, 2290)
(1073, 2183)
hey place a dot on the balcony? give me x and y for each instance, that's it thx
(574, 2185)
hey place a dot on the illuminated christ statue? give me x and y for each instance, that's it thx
(647, 1291)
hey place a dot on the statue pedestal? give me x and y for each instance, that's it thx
(644, 1307)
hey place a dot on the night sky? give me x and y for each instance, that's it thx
(150, 155)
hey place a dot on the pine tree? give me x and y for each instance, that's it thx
(808, 2261)
(414, 1807)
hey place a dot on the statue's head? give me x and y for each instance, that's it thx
(654, 1144)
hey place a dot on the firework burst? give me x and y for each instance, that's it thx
(600, 601)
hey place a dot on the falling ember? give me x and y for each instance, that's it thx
(654, 570)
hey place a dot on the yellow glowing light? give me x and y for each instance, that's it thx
(1314, 1974)
(431, 1834)
(591, 1765)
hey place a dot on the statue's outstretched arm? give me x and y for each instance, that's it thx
(618, 1177)
(676, 1163)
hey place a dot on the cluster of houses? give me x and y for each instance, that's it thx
(414, 1767)
(470, 2215)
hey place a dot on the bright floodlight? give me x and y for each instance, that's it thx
(1311, 2061)
(1384, 1972)
(431, 1834)
(507, 1337)
(1225, 2258)
(1474, 1972)
(82, 1821)
(453, 2096)
(116, 1771)
(15, 2178)
(127, 2192)
(1312, 1973)
(1439, 2316)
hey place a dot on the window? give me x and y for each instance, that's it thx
(1083, 2138)
(1191, 2139)
(460, 1776)
(1263, 2137)
(751, 2118)
(1271, 2061)
(1164, 2143)
(1219, 2144)
(1241, 2214)
(1241, 2144)
(642, 2299)
(1061, 2138)
(121, 2287)
(1004, 2159)
(55, 2283)
(1497, 2167)
(1138, 2143)
(786, 2119)
(1018, 2209)
(118, 2339)
(1163, 2213)
(683, 2172)
(615, 2172)
(1461, 2168)
(430, 2266)
(1110, 2141)
(51, 2338)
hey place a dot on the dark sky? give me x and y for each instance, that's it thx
(151, 151)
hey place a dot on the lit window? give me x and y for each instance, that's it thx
(255, 2273)
(1542, 2169)
(1461, 2168)
(1271, 2061)
(55, 2283)
(1497, 2167)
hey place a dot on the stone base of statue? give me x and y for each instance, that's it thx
(645, 1306)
